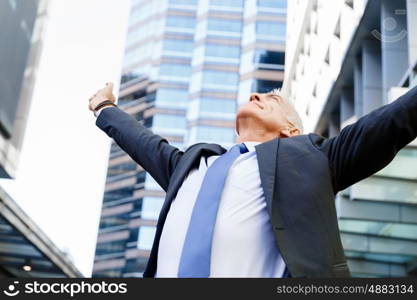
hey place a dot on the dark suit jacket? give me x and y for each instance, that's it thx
(300, 177)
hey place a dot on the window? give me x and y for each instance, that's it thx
(224, 25)
(151, 207)
(220, 78)
(169, 121)
(146, 236)
(222, 51)
(264, 86)
(230, 3)
(171, 95)
(183, 2)
(281, 4)
(269, 57)
(274, 29)
(218, 134)
(178, 45)
(402, 166)
(217, 105)
(118, 194)
(180, 21)
(175, 70)
(151, 184)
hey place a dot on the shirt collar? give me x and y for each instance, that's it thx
(251, 145)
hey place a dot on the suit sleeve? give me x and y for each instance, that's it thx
(365, 147)
(151, 151)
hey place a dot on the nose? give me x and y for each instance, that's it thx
(254, 97)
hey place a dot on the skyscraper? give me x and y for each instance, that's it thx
(187, 66)
(21, 25)
(25, 250)
(345, 59)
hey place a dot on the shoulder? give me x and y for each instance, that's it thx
(316, 139)
(194, 146)
(206, 149)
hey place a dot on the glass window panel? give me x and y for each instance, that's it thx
(172, 98)
(183, 2)
(151, 184)
(175, 70)
(217, 105)
(269, 57)
(403, 165)
(215, 134)
(169, 121)
(146, 236)
(180, 21)
(224, 25)
(282, 4)
(178, 45)
(383, 189)
(394, 230)
(274, 29)
(380, 257)
(220, 78)
(264, 86)
(222, 51)
(231, 3)
(151, 207)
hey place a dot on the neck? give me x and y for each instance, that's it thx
(255, 136)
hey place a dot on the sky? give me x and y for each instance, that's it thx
(61, 175)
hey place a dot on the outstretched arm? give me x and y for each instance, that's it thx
(151, 151)
(367, 146)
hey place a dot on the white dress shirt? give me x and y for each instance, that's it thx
(243, 240)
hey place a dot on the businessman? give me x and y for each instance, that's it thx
(265, 207)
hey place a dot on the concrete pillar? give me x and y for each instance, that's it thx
(412, 30)
(357, 87)
(371, 75)
(394, 44)
(346, 104)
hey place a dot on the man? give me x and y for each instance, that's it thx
(265, 207)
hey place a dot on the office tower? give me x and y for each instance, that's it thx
(25, 251)
(187, 66)
(21, 25)
(345, 59)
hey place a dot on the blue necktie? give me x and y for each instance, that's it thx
(196, 252)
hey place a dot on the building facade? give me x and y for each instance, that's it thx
(346, 58)
(25, 250)
(21, 25)
(188, 64)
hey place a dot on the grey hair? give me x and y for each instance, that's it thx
(293, 116)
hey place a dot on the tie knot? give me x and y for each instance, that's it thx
(242, 147)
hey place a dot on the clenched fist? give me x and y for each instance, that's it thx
(102, 95)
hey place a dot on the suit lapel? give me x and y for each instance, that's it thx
(267, 154)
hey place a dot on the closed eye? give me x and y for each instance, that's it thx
(275, 97)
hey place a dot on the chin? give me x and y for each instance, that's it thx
(247, 110)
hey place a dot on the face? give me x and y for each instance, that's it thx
(267, 110)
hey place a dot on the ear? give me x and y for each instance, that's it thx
(289, 132)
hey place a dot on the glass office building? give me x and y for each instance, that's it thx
(21, 25)
(25, 250)
(187, 66)
(348, 58)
